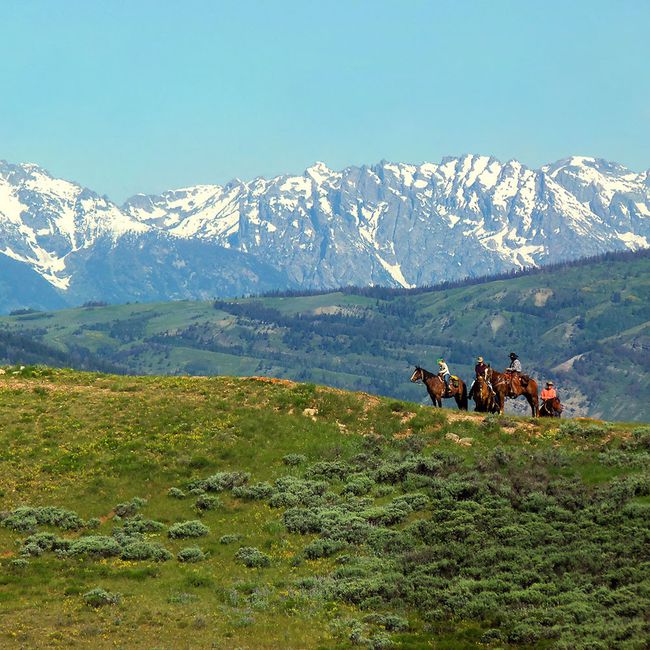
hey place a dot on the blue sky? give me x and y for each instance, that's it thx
(146, 95)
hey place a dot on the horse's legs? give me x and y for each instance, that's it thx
(532, 401)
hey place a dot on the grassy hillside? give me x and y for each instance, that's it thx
(587, 327)
(324, 519)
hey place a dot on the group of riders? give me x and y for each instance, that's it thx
(515, 380)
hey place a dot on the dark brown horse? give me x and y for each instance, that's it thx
(436, 388)
(484, 397)
(551, 408)
(507, 384)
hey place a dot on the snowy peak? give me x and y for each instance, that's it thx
(389, 223)
(43, 219)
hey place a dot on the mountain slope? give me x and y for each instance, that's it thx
(586, 326)
(390, 224)
(241, 513)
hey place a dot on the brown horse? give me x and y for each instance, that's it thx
(507, 384)
(484, 397)
(436, 388)
(551, 408)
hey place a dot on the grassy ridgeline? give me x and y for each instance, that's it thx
(586, 327)
(187, 512)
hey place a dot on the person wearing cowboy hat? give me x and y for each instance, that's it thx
(443, 373)
(547, 396)
(515, 364)
(480, 370)
(481, 367)
(548, 392)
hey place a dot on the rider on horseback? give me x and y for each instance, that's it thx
(548, 395)
(443, 373)
(480, 370)
(514, 373)
(515, 364)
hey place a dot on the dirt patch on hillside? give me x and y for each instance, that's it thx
(273, 380)
(369, 401)
(542, 296)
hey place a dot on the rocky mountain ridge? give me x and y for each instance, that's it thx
(391, 224)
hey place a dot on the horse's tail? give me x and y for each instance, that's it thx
(463, 403)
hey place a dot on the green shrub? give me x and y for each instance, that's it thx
(39, 542)
(322, 548)
(207, 502)
(574, 428)
(257, 492)
(358, 485)
(129, 508)
(220, 481)
(252, 557)
(98, 597)
(291, 491)
(301, 520)
(294, 459)
(188, 529)
(31, 550)
(176, 493)
(390, 622)
(229, 539)
(138, 550)
(138, 524)
(329, 470)
(94, 546)
(19, 563)
(27, 519)
(191, 554)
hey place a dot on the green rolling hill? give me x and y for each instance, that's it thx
(586, 326)
(181, 512)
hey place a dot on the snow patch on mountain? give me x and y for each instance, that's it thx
(394, 223)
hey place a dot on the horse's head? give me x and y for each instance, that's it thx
(417, 375)
(557, 405)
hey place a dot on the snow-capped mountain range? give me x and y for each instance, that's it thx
(391, 224)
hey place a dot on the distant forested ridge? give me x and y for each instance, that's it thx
(585, 325)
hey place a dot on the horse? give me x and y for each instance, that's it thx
(436, 388)
(484, 397)
(551, 408)
(510, 385)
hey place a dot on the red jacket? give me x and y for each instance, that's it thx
(548, 393)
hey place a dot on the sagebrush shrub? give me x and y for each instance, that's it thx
(39, 542)
(129, 508)
(191, 554)
(329, 470)
(175, 493)
(257, 492)
(207, 502)
(252, 557)
(294, 459)
(99, 597)
(192, 528)
(27, 519)
(359, 484)
(137, 550)
(94, 546)
(138, 524)
(322, 548)
(220, 481)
